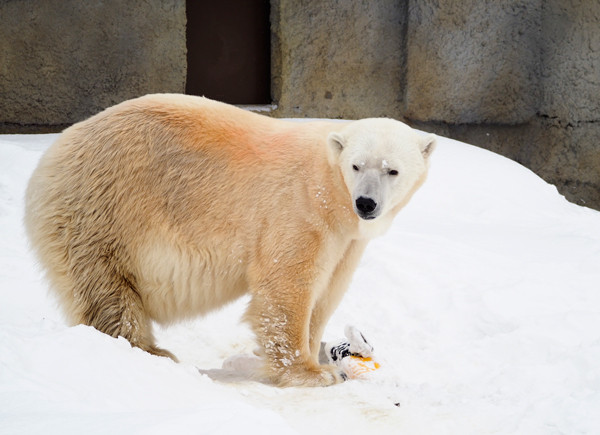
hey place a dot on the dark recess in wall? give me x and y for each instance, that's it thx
(228, 50)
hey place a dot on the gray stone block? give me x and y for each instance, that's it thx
(338, 59)
(569, 157)
(473, 61)
(571, 60)
(64, 60)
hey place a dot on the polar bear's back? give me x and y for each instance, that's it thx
(154, 152)
(165, 173)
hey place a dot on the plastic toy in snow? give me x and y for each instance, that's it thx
(354, 356)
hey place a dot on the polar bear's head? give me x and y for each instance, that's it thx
(382, 161)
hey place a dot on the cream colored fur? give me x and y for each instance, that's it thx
(168, 206)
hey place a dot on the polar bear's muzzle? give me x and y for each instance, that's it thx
(366, 208)
(367, 194)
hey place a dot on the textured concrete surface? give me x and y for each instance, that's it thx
(338, 58)
(64, 60)
(519, 77)
(570, 75)
(473, 61)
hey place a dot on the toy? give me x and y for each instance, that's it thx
(354, 356)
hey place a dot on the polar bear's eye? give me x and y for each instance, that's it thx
(393, 172)
(355, 168)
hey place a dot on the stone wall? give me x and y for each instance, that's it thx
(519, 77)
(473, 61)
(342, 59)
(64, 60)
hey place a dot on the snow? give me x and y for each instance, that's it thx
(482, 303)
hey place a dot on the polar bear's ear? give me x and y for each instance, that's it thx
(335, 144)
(427, 145)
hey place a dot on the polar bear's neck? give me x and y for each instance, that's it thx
(374, 228)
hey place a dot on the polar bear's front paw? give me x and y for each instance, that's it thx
(320, 376)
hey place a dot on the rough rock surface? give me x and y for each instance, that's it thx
(64, 60)
(519, 77)
(472, 61)
(339, 59)
(570, 74)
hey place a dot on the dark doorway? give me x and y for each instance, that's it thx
(228, 50)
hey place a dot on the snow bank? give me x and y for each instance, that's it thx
(482, 303)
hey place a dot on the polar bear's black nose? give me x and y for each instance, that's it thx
(365, 205)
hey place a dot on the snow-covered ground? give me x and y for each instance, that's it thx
(482, 302)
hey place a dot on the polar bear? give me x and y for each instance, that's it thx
(168, 206)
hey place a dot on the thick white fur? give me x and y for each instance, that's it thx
(168, 206)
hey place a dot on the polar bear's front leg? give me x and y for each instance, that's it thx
(331, 297)
(280, 312)
(282, 332)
